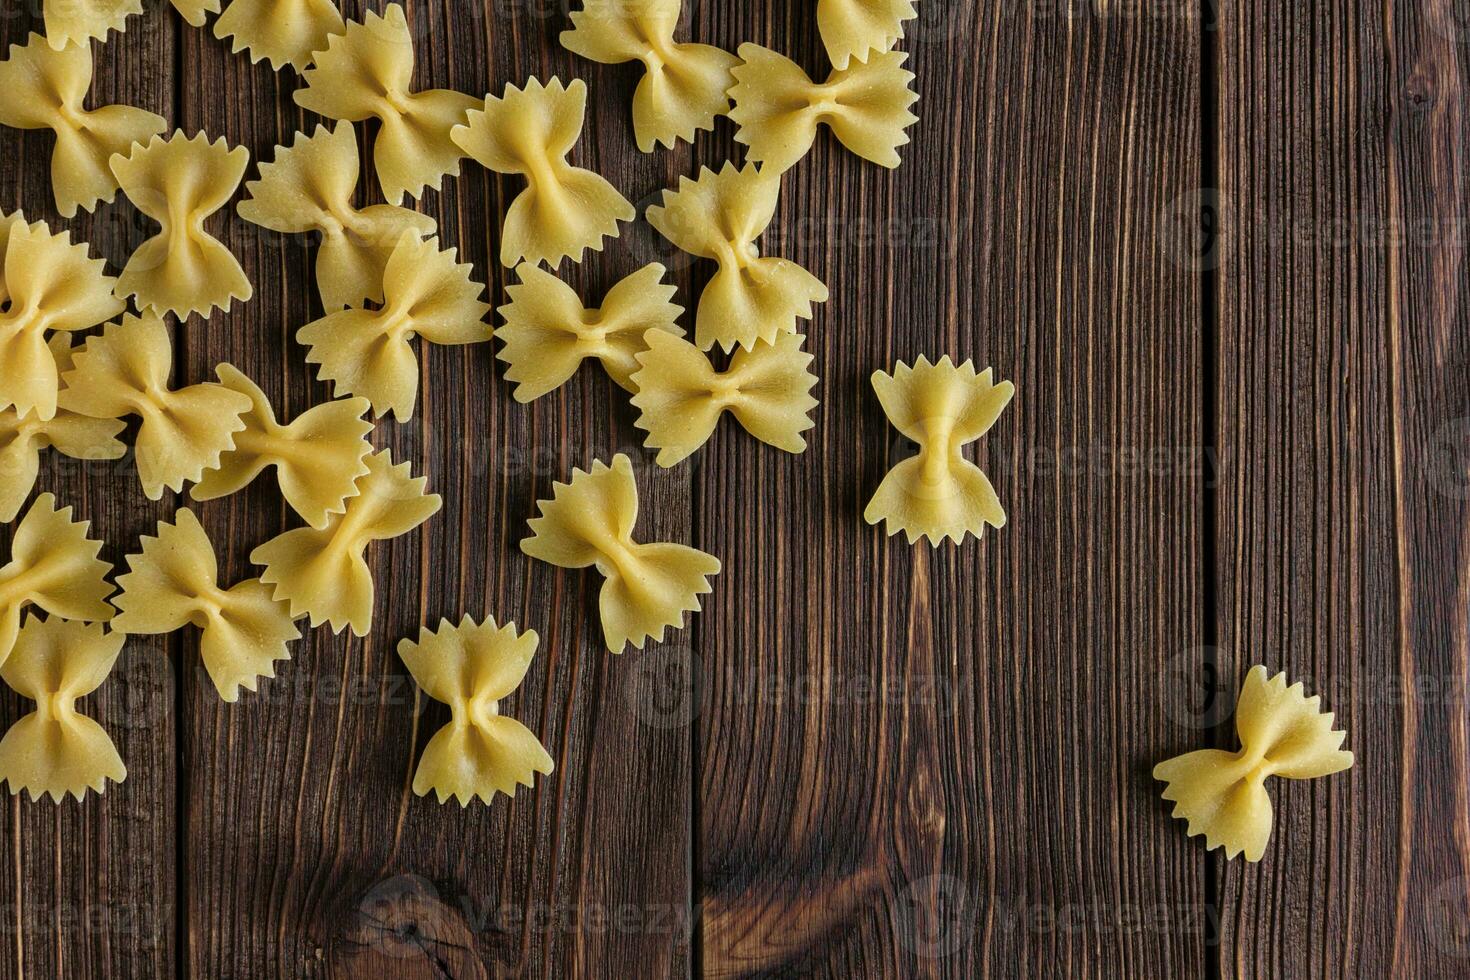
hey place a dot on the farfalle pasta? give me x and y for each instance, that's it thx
(939, 494)
(472, 667)
(309, 187)
(22, 437)
(548, 333)
(52, 286)
(56, 750)
(367, 72)
(53, 566)
(427, 293)
(778, 107)
(284, 32)
(856, 28)
(684, 85)
(75, 22)
(751, 299)
(9, 222)
(321, 571)
(174, 581)
(43, 88)
(317, 458)
(125, 371)
(1223, 795)
(179, 182)
(649, 587)
(681, 396)
(564, 210)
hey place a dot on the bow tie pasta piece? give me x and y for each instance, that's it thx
(53, 286)
(939, 494)
(366, 72)
(548, 333)
(684, 87)
(55, 749)
(318, 457)
(309, 187)
(564, 210)
(41, 88)
(321, 572)
(284, 32)
(682, 396)
(1223, 794)
(179, 183)
(853, 28)
(649, 587)
(778, 108)
(8, 223)
(76, 22)
(428, 294)
(125, 371)
(472, 667)
(174, 581)
(53, 565)
(751, 299)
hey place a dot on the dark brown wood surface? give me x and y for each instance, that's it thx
(1220, 252)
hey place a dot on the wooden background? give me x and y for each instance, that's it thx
(1220, 253)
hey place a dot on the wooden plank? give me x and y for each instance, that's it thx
(88, 888)
(309, 855)
(935, 762)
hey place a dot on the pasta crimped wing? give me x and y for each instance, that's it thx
(42, 88)
(939, 494)
(179, 182)
(649, 587)
(53, 565)
(196, 11)
(318, 457)
(321, 572)
(854, 28)
(548, 333)
(1222, 794)
(284, 32)
(7, 223)
(56, 750)
(684, 86)
(366, 72)
(76, 22)
(125, 371)
(778, 108)
(472, 667)
(751, 299)
(174, 581)
(53, 286)
(681, 395)
(309, 187)
(427, 293)
(564, 210)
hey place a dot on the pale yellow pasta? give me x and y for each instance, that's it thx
(649, 587)
(684, 85)
(125, 371)
(548, 333)
(8, 222)
(939, 494)
(174, 581)
(367, 72)
(857, 28)
(427, 294)
(751, 299)
(472, 667)
(317, 458)
(56, 750)
(309, 187)
(75, 22)
(42, 88)
(564, 210)
(1223, 794)
(196, 11)
(22, 437)
(53, 287)
(284, 32)
(54, 566)
(321, 572)
(681, 396)
(778, 107)
(179, 182)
